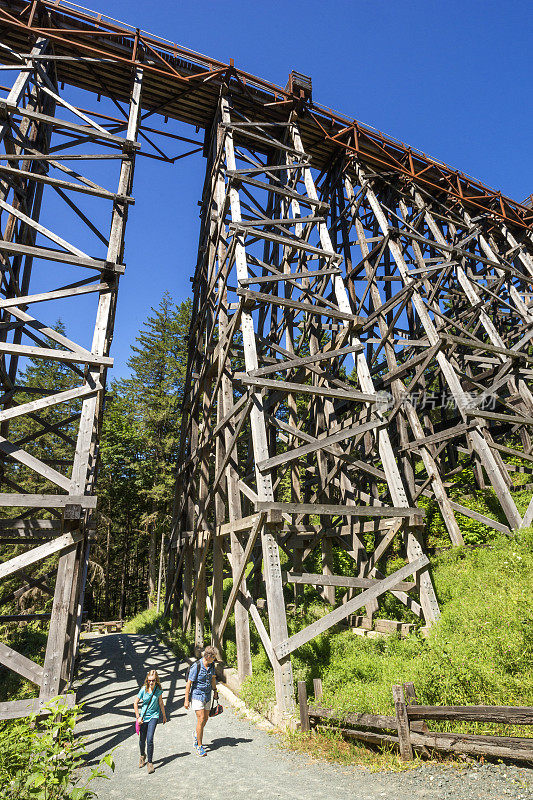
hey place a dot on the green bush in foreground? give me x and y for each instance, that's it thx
(480, 651)
(40, 758)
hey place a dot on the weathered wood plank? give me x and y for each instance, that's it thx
(239, 573)
(406, 750)
(38, 553)
(509, 715)
(320, 579)
(369, 737)
(478, 745)
(345, 511)
(318, 444)
(69, 185)
(302, 704)
(55, 122)
(301, 388)
(46, 500)
(62, 258)
(297, 640)
(324, 355)
(20, 664)
(308, 308)
(43, 297)
(51, 400)
(492, 523)
(18, 709)
(373, 721)
(54, 355)
(34, 463)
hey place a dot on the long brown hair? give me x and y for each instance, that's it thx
(152, 672)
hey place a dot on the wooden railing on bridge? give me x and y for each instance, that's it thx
(408, 730)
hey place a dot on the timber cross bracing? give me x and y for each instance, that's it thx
(361, 332)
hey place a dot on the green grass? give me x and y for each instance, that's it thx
(480, 651)
(150, 621)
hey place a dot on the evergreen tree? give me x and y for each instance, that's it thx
(138, 452)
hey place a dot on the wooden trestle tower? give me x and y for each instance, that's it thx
(361, 331)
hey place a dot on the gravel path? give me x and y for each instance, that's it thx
(242, 761)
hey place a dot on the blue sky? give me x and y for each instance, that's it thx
(450, 78)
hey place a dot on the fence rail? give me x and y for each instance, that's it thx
(408, 729)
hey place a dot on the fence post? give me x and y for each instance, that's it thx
(304, 710)
(406, 750)
(317, 687)
(409, 692)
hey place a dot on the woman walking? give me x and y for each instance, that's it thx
(150, 698)
(202, 679)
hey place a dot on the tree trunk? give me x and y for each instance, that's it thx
(124, 577)
(107, 588)
(152, 566)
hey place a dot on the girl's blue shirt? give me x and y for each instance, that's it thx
(150, 703)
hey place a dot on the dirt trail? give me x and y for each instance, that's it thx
(242, 761)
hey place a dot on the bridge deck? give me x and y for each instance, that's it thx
(185, 86)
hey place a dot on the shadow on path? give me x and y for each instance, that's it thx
(112, 668)
(242, 761)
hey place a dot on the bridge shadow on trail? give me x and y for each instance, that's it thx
(112, 668)
(242, 761)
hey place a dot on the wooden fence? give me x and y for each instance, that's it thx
(408, 729)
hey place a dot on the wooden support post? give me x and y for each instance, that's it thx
(305, 726)
(327, 569)
(274, 588)
(406, 749)
(200, 589)
(55, 648)
(317, 687)
(187, 583)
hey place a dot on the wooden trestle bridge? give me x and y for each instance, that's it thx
(362, 331)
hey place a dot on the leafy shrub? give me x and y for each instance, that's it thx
(40, 758)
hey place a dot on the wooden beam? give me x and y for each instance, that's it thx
(238, 576)
(46, 500)
(336, 510)
(20, 664)
(301, 388)
(281, 366)
(318, 444)
(340, 580)
(38, 553)
(18, 709)
(340, 613)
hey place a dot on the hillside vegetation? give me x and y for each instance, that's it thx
(480, 651)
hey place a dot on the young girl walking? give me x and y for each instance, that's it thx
(150, 698)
